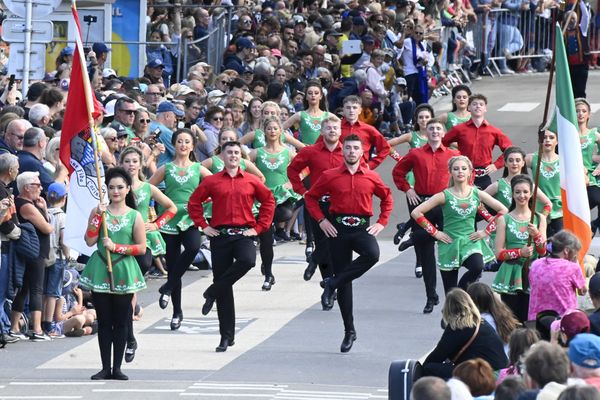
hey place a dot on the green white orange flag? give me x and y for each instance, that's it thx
(576, 211)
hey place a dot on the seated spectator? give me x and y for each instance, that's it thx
(519, 343)
(595, 296)
(554, 279)
(466, 336)
(509, 389)
(478, 375)
(546, 371)
(584, 353)
(71, 318)
(563, 330)
(430, 388)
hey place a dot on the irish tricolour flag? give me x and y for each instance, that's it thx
(576, 211)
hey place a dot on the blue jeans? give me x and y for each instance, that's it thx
(4, 318)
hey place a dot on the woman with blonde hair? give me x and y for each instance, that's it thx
(257, 137)
(466, 336)
(460, 244)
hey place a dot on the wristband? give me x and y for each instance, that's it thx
(321, 220)
(509, 254)
(492, 224)
(485, 214)
(547, 209)
(127, 249)
(94, 226)
(395, 155)
(540, 244)
(426, 225)
(163, 219)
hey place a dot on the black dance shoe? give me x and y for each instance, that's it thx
(328, 293)
(118, 375)
(401, 231)
(429, 306)
(349, 338)
(310, 270)
(310, 247)
(223, 345)
(165, 296)
(102, 375)
(418, 271)
(208, 305)
(269, 282)
(130, 351)
(176, 322)
(406, 244)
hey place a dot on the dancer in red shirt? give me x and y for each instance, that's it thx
(232, 231)
(351, 188)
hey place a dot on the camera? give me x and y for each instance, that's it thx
(90, 19)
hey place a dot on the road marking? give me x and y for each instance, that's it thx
(41, 397)
(518, 107)
(262, 396)
(63, 383)
(139, 390)
(240, 385)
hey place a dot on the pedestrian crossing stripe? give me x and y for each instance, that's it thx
(518, 107)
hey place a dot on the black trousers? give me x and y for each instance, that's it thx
(232, 257)
(178, 262)
(321, 253)
(345, 270)
(579, 77)
(483, 182)
(33, 286)
(425, 249)
(518, 303)
(554, 226)
(474, 266)
(266, 251)
(112, 311)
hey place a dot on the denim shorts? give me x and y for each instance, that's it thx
(53, 279)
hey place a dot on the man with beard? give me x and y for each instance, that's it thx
(319, 157)
(351, 188)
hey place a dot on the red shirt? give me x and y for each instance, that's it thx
(430, 169)
(478, 143)
(232, 198)
(370, 138)
(318, 158)
(350, 194)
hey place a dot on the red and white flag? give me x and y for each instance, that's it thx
(77, 149)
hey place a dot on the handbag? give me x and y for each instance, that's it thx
(28, 245)
(466, 346)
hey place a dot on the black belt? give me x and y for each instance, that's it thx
(232, 230)
(351, 221)
(324, 199)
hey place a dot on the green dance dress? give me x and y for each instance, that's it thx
(274, 168)
(180, 183)
(509, 278)
(454, 120)
(588, 144)
(550, 185)
(154, 240)
(260, 139)
(310, 127)
(127, 276)
(416, 141)
(459, 222)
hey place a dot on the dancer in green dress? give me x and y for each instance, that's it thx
(512, 249)
(460, 104)
(131, 159)
(549, 181)
(257, 137)
(181, 176)
(126, 239)
(313, 114)
(589, 139)
(459, 244)
(273, 160)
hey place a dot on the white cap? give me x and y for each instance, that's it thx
(107, 72)
(110, 108)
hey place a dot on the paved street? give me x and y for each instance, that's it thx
(286, 346)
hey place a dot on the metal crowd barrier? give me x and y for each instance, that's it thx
(211, 46)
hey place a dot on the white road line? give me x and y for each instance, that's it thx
(240, 385)
(331, 393)
(232, 388)
(316, 395)
(139, 390)
(382, 390)
(65, 383)
(518, 107)
(41, 397)
(373, 396)
(212, 395)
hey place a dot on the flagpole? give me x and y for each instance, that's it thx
(90, 107)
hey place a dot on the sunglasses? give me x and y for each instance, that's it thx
(217, 119)
(130, 112)
(380, 21)
(146, 121)
(112, 139)
(155, 93)
(225, 82)
(246, 22)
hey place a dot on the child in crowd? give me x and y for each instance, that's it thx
(71, 318)
(53, 277)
